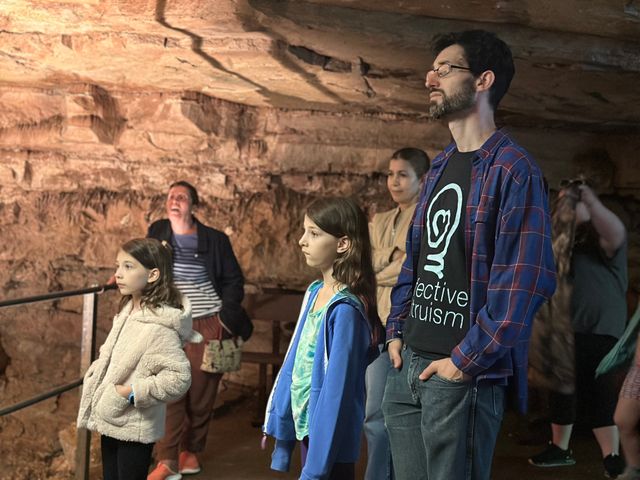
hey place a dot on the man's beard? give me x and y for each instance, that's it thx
(460, 101)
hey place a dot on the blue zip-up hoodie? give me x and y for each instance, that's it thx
(336, 404)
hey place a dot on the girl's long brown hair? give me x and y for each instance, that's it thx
(342, 217)
(152, 253)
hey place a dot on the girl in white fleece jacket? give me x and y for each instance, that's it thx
(142, 364)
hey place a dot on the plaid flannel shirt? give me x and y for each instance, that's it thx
(510, 260)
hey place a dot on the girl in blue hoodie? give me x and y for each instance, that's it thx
(318, 397)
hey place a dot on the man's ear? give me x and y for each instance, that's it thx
(154, 275)
(344, 244)
(485, 81)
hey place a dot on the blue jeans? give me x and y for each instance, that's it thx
(378, 450)
(440, 429)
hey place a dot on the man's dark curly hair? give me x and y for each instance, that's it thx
(483, 51)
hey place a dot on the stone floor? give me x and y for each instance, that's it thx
(234, 448)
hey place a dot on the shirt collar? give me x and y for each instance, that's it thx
(487, 149)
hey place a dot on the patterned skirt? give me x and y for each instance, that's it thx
(631, 387)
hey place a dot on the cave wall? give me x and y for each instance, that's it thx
(77, 189)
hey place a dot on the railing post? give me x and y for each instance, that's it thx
(87, 348)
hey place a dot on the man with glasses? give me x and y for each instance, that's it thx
(479, 264)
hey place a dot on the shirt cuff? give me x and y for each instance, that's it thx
(281, 456)
(393, 334)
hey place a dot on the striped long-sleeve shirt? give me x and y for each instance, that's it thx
(190, 276)
(508, 245)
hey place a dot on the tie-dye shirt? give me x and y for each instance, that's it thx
(301, 375)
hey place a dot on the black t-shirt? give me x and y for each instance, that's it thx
(439, 317)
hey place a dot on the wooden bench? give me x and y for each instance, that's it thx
(264, 359)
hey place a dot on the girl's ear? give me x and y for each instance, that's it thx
(154, 275)
(344, 244)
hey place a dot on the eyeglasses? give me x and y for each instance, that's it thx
(445, 69)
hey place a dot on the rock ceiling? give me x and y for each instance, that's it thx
(578, 61)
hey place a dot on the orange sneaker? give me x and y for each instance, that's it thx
(162, 472)
(188, 463)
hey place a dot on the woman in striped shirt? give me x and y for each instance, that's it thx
(207, 272)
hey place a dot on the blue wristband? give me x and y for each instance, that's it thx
(131, 397)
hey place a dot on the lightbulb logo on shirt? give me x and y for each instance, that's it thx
(441, 224)
(439, 315)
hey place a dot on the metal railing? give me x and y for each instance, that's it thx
(87, 355)
(87, 352)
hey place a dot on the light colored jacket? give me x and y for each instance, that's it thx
(388, 231)
(145, 350)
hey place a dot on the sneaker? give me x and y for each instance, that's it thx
(630, 473)
(162, 472)
(553, 456)
(613, 466)
(188, 463)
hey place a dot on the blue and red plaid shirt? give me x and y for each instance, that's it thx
(510, 260)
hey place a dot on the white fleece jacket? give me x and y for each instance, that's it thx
(143, 349)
